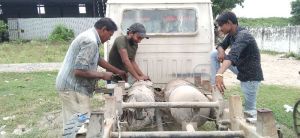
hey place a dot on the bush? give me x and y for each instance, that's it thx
(295, 12)
(61, 33)
(3, 31)
(292, 54)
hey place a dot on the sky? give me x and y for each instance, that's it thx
(264, 8)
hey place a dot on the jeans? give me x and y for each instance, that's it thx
(215, 65)
(249, 88)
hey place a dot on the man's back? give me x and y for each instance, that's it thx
(83, 48)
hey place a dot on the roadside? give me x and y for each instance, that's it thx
(276, 70)
(29, 67)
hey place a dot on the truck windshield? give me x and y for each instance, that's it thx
(162, 20)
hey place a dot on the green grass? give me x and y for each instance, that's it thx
(274, 97)
(291, 54)
(32, 52)
(270, 52)
(29, 96)
(264, 22)
(285, 55)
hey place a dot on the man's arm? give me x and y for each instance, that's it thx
(221, 53)
(112, 68)
(222, 47)
(232, 58)
(225, 43)
(86, 54)
(138, 70)
(219, 76)
(92, 74)
(128, 64)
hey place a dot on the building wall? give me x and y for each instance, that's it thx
(27, 10)
(40, 28)
(62, 8)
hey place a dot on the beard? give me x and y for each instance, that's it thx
(131, 41)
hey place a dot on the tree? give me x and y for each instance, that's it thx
(221, 5)
(295, 12)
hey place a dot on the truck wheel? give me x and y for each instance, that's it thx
(296, 117)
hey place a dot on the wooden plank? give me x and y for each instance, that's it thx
(248, 129)
(95, 126)
(235, 111)
(110, 106)
(265, 124)
(108, 127)
(118, 93)
(109, 115)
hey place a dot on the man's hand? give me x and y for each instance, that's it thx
(106, 75)
(221, 56)
(123, 74)
(145, 77)
(220, 84)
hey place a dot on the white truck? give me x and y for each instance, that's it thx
(181, 36)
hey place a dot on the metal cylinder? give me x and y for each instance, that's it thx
(184, 91)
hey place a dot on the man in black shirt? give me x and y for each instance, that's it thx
(243, 59)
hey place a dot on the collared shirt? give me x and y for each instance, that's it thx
(83, 53)
(114, 55)
(244, 54)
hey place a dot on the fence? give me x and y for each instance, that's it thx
(40, 28)
(280, 39)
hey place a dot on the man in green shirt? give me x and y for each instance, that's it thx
(123, 52)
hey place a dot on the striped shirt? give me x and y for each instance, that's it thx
(83, 53)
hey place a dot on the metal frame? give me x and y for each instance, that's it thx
(234, 117)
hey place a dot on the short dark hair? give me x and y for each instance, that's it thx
(225, 17)
(106, 22)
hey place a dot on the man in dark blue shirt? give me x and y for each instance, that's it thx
(243, 59)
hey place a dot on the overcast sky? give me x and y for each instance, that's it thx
(264, 8)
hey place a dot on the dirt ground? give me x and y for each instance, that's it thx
(276, 70)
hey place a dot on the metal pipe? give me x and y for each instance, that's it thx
(171, 105)
(178, 134)
(158, 120)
